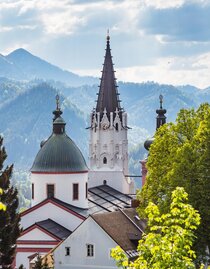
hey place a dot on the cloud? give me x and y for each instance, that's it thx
(176, 71)
(145, 35)
(187, 22)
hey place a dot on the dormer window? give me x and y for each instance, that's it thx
(104, 160)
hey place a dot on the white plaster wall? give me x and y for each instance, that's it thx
(22, 258)
(53, 212)
(89, 232)
(113, 145)
(114, 179)
(36, 234)
(63, 187)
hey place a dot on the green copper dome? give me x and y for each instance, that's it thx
(59, 153)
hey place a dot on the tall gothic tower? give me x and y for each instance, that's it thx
(108, 148)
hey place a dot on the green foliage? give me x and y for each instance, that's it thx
(39, 263)
(180, 156)
(169, 239)
(2, 206)
(9, 219)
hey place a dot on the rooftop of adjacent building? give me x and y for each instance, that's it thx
(124, 226)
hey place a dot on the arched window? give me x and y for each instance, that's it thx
(117, 127)
(104, 160)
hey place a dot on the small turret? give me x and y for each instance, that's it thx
(161, 118)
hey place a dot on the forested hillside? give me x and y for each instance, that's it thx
(27, 92)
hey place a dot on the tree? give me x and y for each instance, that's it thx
(169, 239)
(9, 218)
(2, 206)
(180, 156)
(40, 264)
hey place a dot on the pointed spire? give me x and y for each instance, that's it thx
(161, 118)
(58, 111)
(108, 95)
(107, 37)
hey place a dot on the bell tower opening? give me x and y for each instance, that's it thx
(104, 160)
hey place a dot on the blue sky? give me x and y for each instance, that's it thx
(167, 41)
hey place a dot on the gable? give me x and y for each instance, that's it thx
(89, 232)
(59, 214)
(35, 233)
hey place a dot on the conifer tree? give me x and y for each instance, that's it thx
(38, 263)
(9, 219)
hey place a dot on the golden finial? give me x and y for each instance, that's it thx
(107, 37)
(57, 102)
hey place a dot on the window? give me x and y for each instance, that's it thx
(50, 190)
(117, 127)
(32, 191)
(90, 250)
(104, 160)
(75, 191)
(67, 249)
(86, 190)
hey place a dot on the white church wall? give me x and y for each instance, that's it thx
(22, 256)
(115, 179)
(63, 186)
(89, 232)
(51, 211)
(35, 234)
(107, 141)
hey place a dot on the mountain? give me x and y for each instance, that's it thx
(27, 119)
(27, 102)
(22, 65)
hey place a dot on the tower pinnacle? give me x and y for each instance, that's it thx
(58, 111)
(161, 118)
(108, 36)
(108, 96)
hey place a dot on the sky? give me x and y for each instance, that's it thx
(165, 41)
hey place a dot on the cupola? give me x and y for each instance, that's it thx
(59, 169)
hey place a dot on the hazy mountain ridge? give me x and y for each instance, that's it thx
(27, 120)
(26, 106)
(22, 65)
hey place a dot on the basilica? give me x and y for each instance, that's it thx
(67, 192)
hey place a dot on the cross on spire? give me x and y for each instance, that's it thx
(58, 111)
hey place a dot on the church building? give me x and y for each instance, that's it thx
(64, 190)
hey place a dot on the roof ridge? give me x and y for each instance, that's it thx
(131, 220)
